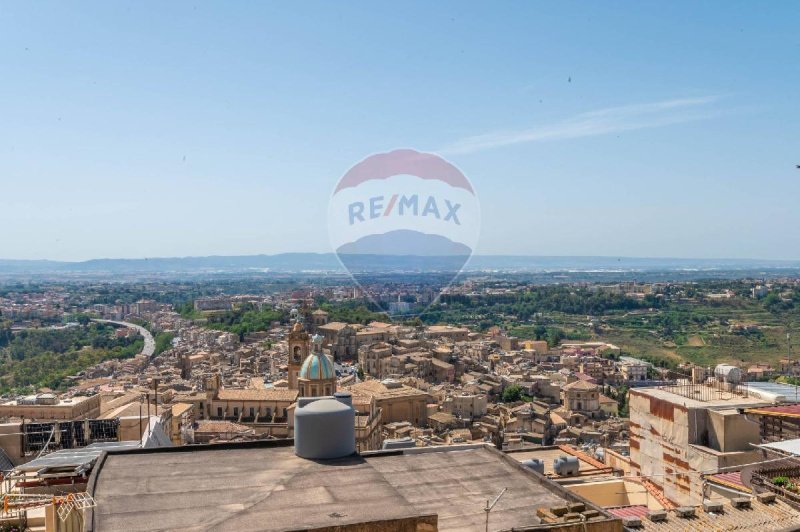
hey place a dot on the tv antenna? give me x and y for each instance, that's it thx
(489, 506)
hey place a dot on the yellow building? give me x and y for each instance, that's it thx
(48, 407)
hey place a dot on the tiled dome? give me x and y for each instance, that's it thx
(317, 367)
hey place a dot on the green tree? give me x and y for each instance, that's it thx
(512, 393)
(622, 401)
(163, 342)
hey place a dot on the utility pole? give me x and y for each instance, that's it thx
(148, 414)
(489, 506)
(141, 399)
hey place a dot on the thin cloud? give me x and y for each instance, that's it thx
(593, 123)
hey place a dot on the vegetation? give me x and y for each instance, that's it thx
(245, 320)
(352, 311)
(45, 357)
(163, 341)
(622, 401)
(512, 393)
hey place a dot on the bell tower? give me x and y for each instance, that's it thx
(299, 349)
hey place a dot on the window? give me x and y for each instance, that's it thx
(252, 412)
(219, 411)
(235, 411)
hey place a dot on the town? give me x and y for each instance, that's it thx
(642, 442)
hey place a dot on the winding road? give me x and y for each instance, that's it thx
(149, 342)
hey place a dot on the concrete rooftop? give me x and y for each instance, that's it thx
(266, 487)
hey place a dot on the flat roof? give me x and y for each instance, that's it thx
(548, 455)
(723, 399)
(258, 486)
(787, 446)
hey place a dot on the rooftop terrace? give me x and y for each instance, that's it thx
(266, 487)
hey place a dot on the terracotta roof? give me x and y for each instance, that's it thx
(731, 480)
(180, 408)
(207, 425)
(267, 394)
(580, 385)
(629, 511)
(333, 326)
(375, 388)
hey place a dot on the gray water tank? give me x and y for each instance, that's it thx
(535, 464)
(324, 429)
(566, 466)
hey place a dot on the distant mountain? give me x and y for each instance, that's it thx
(423, 260)
(405, 242)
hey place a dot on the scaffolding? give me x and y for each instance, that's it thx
(44, 437)
(708, 391)
(17, 504)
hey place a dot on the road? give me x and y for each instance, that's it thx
(149, 342)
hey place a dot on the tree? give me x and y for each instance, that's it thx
(512, 393)
(622, 401)
(360, 373)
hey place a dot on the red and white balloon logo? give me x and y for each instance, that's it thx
(405, 211)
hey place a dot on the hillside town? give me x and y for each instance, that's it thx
(622, 442)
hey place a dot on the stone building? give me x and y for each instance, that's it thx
(396, 401)
(375, 359)
(49, 407)
(582, 397)
(299, 343)
(340, 339)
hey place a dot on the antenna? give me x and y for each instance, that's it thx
(489, 506)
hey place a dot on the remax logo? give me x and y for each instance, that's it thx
(409, 205)
(407, 208)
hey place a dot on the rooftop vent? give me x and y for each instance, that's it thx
(766, 498)
(685, 512)
(657, 516)
(713, 507)
(631, 522)
(741, 502)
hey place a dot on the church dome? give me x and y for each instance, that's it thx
(316, 367)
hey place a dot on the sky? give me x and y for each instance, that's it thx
(637, 129)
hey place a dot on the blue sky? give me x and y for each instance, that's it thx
(610, 128)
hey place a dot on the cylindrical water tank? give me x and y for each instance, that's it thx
(346, 398)
(728, 373)
(324, 429)
(535, 464)
(566, 466)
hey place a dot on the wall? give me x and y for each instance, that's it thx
(11, 441)
(81, 408)
(615, 493)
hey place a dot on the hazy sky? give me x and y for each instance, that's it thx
(608, 128)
